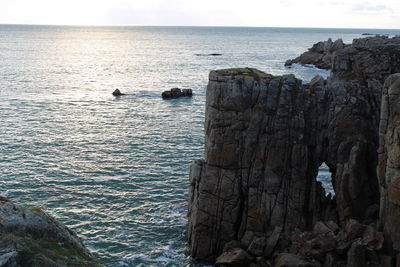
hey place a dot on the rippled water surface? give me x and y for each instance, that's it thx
(115, 170)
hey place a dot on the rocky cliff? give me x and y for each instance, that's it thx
(30, 237)
(320, 54)
(265, 138)
(389, 162)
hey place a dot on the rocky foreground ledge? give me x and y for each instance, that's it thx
(254, 199)
(30, 237)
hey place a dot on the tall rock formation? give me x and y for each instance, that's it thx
(265, 138)
(389, 161)
(260, 166)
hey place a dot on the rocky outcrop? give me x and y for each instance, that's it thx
(389, 162)
(320, 54)
(367, 59)
(265, 138)
(30, 237)
(176, 93)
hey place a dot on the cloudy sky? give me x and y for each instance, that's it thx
(268, 13)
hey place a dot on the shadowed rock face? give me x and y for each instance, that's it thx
(265, 139)
(373, 58)
(389, 160)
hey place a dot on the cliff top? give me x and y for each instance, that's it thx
(245, 72)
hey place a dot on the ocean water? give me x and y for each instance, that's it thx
(115, 170)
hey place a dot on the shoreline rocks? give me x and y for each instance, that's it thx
(30, 237)
(176, 93)
(320, 54)
(265, 138)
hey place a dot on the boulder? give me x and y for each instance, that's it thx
(321, 228)
(356, 257)
(176, 93)
(234, 258)
(354, 230)
(231, 245)
(30, 237)
(292, 260)
(257, 246)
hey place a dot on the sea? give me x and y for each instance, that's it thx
(115, 169)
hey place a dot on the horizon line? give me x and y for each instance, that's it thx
(187, 26)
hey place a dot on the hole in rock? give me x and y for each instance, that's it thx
(325, 177)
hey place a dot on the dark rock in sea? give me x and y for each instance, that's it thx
(30, 237)
(212, 55)
(117, 92)
(176, 93)
(265, 138)
(366, 33)
(320, 54)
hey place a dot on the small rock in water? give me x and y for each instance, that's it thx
(117, 92)
(212, 55)
(176, 92)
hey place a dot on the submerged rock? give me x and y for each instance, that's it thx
(176, 93)
(30, 237)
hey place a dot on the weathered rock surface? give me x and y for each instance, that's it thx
(176, 93)
(389, 161)
(266, 137)
(234, 258)
(29, 237)
(320, 54)
(367, 59)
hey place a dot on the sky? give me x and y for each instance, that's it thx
(383, 14)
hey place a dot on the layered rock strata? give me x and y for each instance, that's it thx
(30, 237)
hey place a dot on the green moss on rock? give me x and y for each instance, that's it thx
(245, 72)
